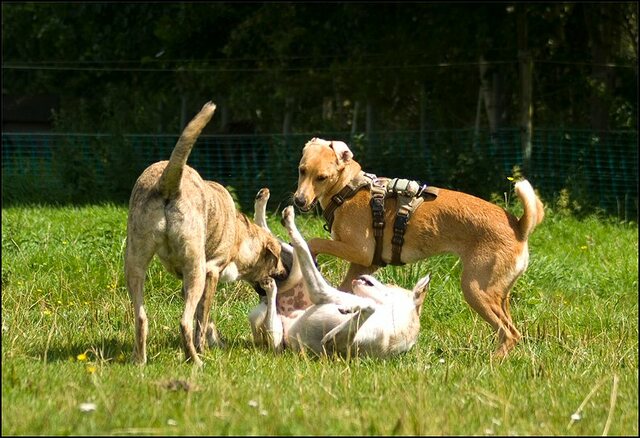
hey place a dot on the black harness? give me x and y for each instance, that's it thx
(410, 194)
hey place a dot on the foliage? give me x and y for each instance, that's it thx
(137, 67)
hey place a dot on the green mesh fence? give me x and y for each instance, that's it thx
(599, 171)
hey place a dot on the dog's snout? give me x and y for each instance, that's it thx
(299, 201)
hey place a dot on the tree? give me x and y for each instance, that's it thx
(314, 67)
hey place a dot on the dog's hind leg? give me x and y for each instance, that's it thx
(491, 303)
(340, 338)
(194, 284)
(509, 337)
(137, 258)
(260, 209)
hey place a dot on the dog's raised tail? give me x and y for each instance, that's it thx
(533, 208)
(169, 182)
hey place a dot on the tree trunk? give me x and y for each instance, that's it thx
(526, 83)
(224, 114)
(327, 109)
(476, 131)
(354, 118)
(526, 109)
(288, 115)
(369, 119)
(183, 111)
(423, 117)
(604, 36)
(488, 94)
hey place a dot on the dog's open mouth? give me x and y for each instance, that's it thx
(363, 279)
(308, 207)
(367, 287)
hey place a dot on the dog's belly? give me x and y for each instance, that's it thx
(291, 300)
(387, 333)
(230, 273)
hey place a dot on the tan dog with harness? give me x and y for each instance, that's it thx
(376, 226)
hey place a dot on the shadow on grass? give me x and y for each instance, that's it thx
(107, 350)
(118, 351)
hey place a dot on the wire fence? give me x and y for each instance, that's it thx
(599, 171)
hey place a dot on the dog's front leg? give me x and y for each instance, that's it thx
(345, 251)
(340, 338)
(360, 260)
(266, 326)
(260, 209)
(272, 324)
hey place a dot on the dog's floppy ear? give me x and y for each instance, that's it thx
(273, 248)
(343, 153)
(420, 292)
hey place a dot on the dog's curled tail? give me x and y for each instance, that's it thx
(169, 183)
(533, 208)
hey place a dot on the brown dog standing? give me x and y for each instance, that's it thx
(192, 225)
(491, 243)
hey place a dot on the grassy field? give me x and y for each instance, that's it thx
(67, 337)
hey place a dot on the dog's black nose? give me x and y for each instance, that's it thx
(299, 201)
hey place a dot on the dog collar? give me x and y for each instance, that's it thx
(361, 181)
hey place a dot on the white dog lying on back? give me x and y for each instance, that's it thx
(376, 320)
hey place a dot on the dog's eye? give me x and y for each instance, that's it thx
(321, 178)
(302, 172)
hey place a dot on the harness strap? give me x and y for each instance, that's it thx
(362, 180)
(378, 194)
(410, 195)
(400, 227)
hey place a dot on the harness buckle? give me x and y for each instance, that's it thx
(377, 204)
(338, 199)
(400, 223)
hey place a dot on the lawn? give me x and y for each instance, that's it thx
(67, 338)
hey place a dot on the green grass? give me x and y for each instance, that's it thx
(63, 295)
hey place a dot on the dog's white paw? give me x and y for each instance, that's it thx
(288, 218)
(288, 214)
(269, 285)
(348, 309)
(263, 194)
